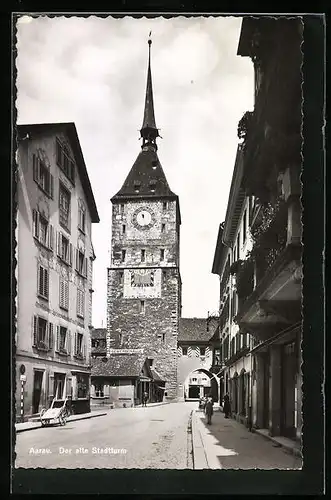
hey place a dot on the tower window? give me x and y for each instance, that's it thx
(184, 351)
(123, 255)
(152, 186)
(154, 164)
(121, 277)
(137, 185)
(123, 229)
(122, 208)
(165, 205)
(163, 337)
(164, 274)
(162, 228)
(143, 253)
(162, 254)
(202, 351)
(142, 307)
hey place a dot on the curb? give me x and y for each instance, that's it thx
(72, 418)
(288, 448)
(199, 454)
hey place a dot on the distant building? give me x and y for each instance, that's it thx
(121, 379)
(144, 284)
(55, 212)
(195, 378)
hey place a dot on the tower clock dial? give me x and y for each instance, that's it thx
(143, 218)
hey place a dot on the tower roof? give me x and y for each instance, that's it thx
(146, 178)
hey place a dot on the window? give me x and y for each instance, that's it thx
(142, 307)
(123, 255)
(194, 379)
(162, 254)
(163, 228)
(121, 277)
(43, 177)
(62, 339)
(123, 229)
(99, 390)
(143, 256)
(81, 218)
(122, 208)
(81, 263)
(80, 302)
(64, 293)
(164, 273)
(42, 230)
(79, 345)
(202, 351)
(43, 282)
(163, 337)
(244, 226)
(184, 351)
(64, 249)
(42, 334)
(165, 205)
(152, 186)
(137, 185)
(64, 161)
(82, 386)
(64, 206)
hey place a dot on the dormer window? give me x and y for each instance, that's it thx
(137, 185)
(152, 186)
(154, 164)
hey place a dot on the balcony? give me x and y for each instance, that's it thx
(269, 280)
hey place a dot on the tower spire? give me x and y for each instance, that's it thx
(149, 131)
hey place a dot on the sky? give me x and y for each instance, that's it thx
(92, 71)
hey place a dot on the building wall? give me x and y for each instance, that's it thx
(30, 254)
(154, 329)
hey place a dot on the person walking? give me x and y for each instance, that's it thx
(226, 406)
(209, 409)
(145, 398)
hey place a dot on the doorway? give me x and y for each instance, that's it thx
(37, 384)
(194, 392)
(59, 385)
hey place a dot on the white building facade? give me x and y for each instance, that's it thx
(54, 252)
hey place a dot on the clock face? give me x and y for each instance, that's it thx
(143, 218)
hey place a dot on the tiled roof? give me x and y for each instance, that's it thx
(118, 365)
(147, 168)
(193, 329)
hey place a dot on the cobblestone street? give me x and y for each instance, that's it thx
(142, 438)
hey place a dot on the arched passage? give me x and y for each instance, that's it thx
(201, 382)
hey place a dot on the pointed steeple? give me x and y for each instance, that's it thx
(149, 131)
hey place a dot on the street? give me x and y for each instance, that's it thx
(154, 437)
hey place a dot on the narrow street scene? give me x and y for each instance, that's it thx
(159, 312)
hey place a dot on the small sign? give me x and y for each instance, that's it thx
(23, 378)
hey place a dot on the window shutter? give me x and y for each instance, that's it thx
(51, 386)
(70, 254)
(50, 236)
(58, 242)
(66, 288)
(75, 343)
(46, 283)
(84, 349)
(35, 224)
(68, 340)
(57, 338)
(51, 186)
(35, 168)
(50, 336)
(40, 279)
(85, 267)
(62, 292)
(77, 259)
(35, 328)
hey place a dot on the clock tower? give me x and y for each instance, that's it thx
(144, 284)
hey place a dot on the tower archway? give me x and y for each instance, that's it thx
(201, 382)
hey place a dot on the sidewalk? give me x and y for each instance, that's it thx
(227, 444)
(29, 426)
